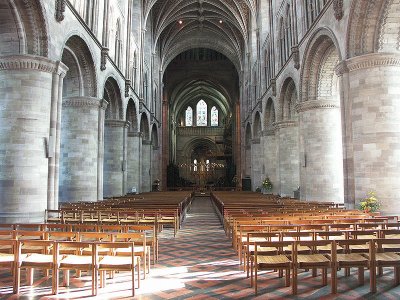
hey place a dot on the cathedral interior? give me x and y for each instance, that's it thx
(106, 98)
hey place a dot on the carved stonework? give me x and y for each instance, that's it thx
(141, 106)
(60, 10)
(341, 68)
(127, 87)
(373, 60)
(82, 102)
(316, 104)
(268, 132)
(104, 54)
(273, 86)
(284, 124)
(30, 62)
(296, 57)
(117, 123)
(338, 9)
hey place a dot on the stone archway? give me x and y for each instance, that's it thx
(270, 145)
(287, 138)
(133, 149)
(114, 141)
(320, 122)
(247, 157)
(156, 162)
(145, 154)
(256, 153)
(80, 127)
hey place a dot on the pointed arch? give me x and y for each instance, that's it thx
(288, 100)
(269, 115)
(131, 116)
(257, 127)
(144, 127)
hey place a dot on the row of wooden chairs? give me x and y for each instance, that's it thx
(292, 256)
(247, 249)
(142, 245)
(157, 217)
(149, 230)
(97, 258)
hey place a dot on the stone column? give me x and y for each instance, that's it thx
(100, 152)
(29, 91)
(288, 157)
(256, 163)
(375, 121)
(146, 166)
(133, 161)
(270, 158)
(114, 139)
(321, 162)
(79, 149)
(155, 163)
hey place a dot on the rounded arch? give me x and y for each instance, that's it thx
(269, 115)
(318, 77)
(257, 126)
(23, 29)
(112, 94)
(154, 135)
(288, 100)
(368, 23)
(81, 77)
(144, 126)
(131, 115)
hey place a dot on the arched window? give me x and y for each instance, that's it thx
(118, 44)
(189, 117)
(201, 111)
(288, 32)
(195, 165)
(207, 165)
(214, 116)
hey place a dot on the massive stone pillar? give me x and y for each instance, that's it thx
(321, 167)
(146, 166)
(287, 139)
(133, 161)
(270, 158)
(79, 149)
(156, 163)
(30, 93)
(374, 117)
(256, 163)
(114, 164)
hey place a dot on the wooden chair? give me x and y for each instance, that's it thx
(353, 254)
(151, 237)
(32, 259)
(141, 248)
(248, 251)
(313, 260)
(78, 260)
(384, 253)
(8, 258)
(272, 260)
(118, 260)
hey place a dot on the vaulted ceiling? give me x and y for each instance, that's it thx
(221, 25)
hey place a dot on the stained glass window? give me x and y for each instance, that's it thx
(214, 116)
(195, 165)
(189, 117)
(201, 113)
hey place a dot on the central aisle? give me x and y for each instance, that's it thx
(199, 263)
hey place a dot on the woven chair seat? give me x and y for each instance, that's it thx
(299, 248)
(387, 257)
(5, 257)
(37, 258)
(113, 261)
(273, 259)
(312, 258)
(262, 249)
(351, 257)
(328, 248)
(76, 260)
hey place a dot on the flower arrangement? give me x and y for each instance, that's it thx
(267, 184)
(370, 203)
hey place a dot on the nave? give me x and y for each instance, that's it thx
(200, 263)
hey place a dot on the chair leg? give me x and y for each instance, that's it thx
(360, 275)
(255, 280)
(287, 277)
(324, 276)
(396, 276)
(66, 278)
(334, 279)
(29, 276)
(372, 279)
(294, 280)
(17, 280)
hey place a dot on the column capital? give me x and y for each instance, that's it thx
(134, 134)
(269, 131)
(32, 62)
(82, 102)
(117, 123)
(373, 60)
(284, 124)
(316, 104)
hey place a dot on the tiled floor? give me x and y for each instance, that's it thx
(200, 264)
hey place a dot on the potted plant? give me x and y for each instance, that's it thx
(370, 203)
(267, 185)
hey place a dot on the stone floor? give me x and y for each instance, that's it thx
(200, 264)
